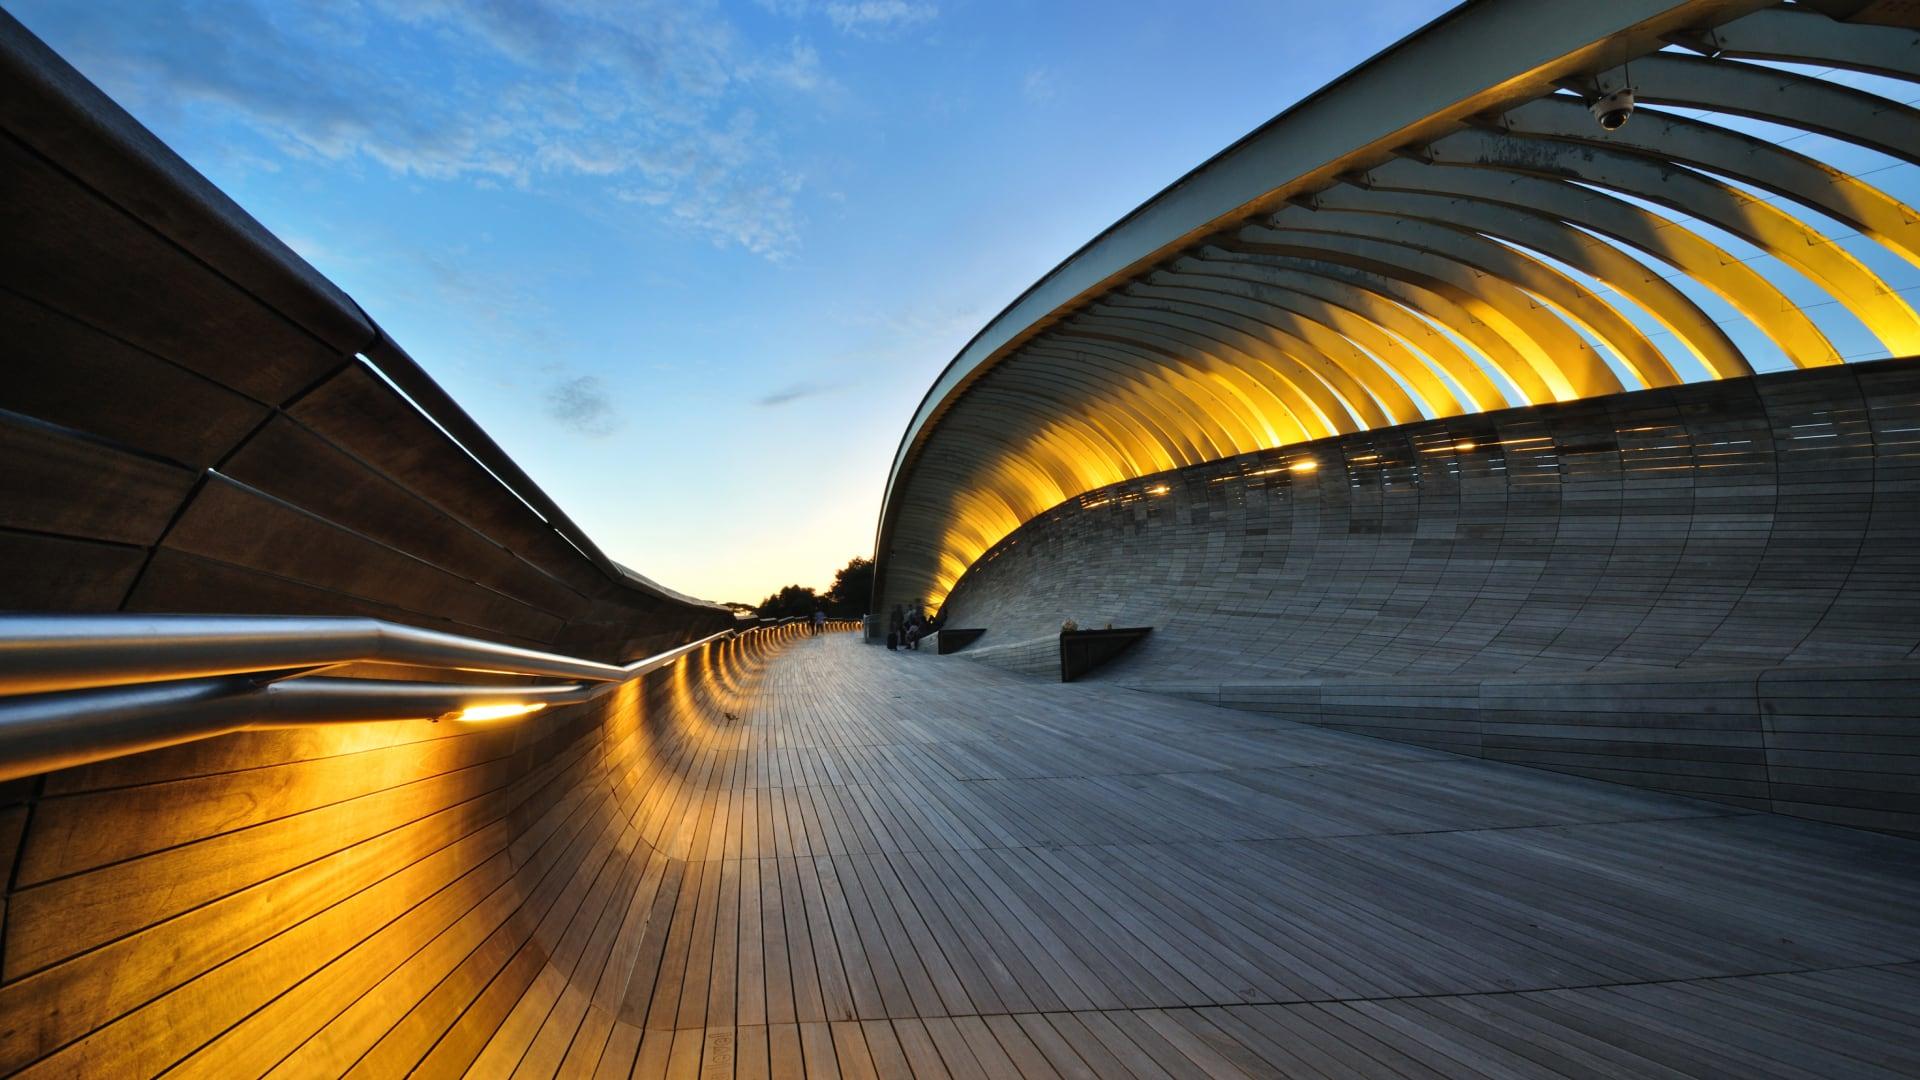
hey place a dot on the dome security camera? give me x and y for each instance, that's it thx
(1611, 109)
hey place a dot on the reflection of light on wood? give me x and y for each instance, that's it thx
(615, 869)
(227, 898)
(480, 714)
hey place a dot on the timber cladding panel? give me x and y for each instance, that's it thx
(190, 420)
(1711, 589)
(193, 420)
(373, 897)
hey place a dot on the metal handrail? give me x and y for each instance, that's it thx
(43, 653)
(85, 688)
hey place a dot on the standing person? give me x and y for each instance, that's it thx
(819, 621)
(896, 623)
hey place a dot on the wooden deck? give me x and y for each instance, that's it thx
(898, 864)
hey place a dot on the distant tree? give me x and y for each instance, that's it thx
(847, 597)
(791, 600)
(852, 589)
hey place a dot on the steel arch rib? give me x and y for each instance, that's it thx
(1804, 344)
(1316, 322)
(1782, 97)
(1561, 359)
(1072, 461)
(1552, 237)
(1421, 302)
(1114, 385)
(1501, 249)
(1157, 344)
(1159, 361)
(1344, 367)
(1068, 469)
(1217, 414)
(1284, 288)
(1474, 251)
(1117, 425)
(1121, 378)
(1312, 405)
(1064, 469)
(1810, 37)
(1237, 348)
(1663, 136)
(1290, 425)
(1771, 230)
(1252, 384)
(1171, 393)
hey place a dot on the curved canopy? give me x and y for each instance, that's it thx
(1445, 229)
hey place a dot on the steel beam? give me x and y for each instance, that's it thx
(1606, 263)
(1700, 259)
(1728, 208)
(1570, 298)
(1499, 249)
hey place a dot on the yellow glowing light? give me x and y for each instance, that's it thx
(480, 714)
(1154, 377)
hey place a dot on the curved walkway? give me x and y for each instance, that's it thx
(910, 865)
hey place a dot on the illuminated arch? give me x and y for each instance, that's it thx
(1443, 230)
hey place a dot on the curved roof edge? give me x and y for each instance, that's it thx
(1465, 62)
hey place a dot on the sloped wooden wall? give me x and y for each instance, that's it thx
(193, 420)
(1710, 589)
(373, 898)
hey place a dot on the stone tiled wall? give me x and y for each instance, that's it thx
(1597, 587)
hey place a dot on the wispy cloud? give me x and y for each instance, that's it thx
(860, 18)
(793, 392)
(798, 69)
(651, 96)
(585, 406)
(1038, 85)
(878, 16)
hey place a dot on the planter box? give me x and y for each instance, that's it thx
(953, 639)
(1083, 650)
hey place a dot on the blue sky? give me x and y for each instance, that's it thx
(694, 264)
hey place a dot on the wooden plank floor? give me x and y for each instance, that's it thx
(893, 864)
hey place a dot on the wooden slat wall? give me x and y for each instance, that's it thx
(379, 894)
(186, 424)
(812, 856)
(880, 870)
(816, 856)
(1651, 588)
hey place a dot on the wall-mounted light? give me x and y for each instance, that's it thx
(1158, 489)
(1306, 465)
(1465, 445)
(480, 714)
